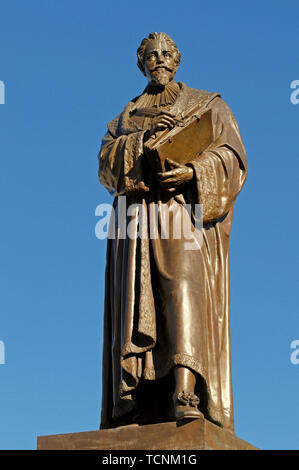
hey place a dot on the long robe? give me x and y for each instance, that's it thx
(165, 305)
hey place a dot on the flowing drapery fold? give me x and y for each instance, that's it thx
(165, 305)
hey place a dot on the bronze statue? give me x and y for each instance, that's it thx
(166, 352)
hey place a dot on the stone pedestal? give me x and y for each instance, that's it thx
(195, 435)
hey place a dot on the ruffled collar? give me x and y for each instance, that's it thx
(156, 96)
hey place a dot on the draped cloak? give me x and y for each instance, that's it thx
(165, 306)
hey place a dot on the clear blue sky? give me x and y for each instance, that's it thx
(69, 67)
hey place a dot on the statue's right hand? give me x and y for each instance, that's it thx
(161, 122)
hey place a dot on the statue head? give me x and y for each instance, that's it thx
(158, 58)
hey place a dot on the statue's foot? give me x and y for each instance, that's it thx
(186, 407)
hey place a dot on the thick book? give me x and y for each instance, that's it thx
(183, 142)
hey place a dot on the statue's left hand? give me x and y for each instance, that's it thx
(178, 175)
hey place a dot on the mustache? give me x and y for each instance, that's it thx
(162, 67)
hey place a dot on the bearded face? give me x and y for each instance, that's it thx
(160, 63)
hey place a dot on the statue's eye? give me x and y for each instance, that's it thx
(167, 54)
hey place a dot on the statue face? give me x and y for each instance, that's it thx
(159, 62)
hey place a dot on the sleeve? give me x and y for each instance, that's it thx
(220, 171)
(122, 164)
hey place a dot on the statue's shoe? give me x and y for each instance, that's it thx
(186, 407)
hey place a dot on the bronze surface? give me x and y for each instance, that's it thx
(181, 144)
(196, 435)
(166, 316)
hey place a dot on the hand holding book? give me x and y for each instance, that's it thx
(181, 143)
(178, 174)
(161, 122)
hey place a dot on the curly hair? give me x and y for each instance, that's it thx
(152, 36)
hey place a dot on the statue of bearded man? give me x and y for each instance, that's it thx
(166, 349)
